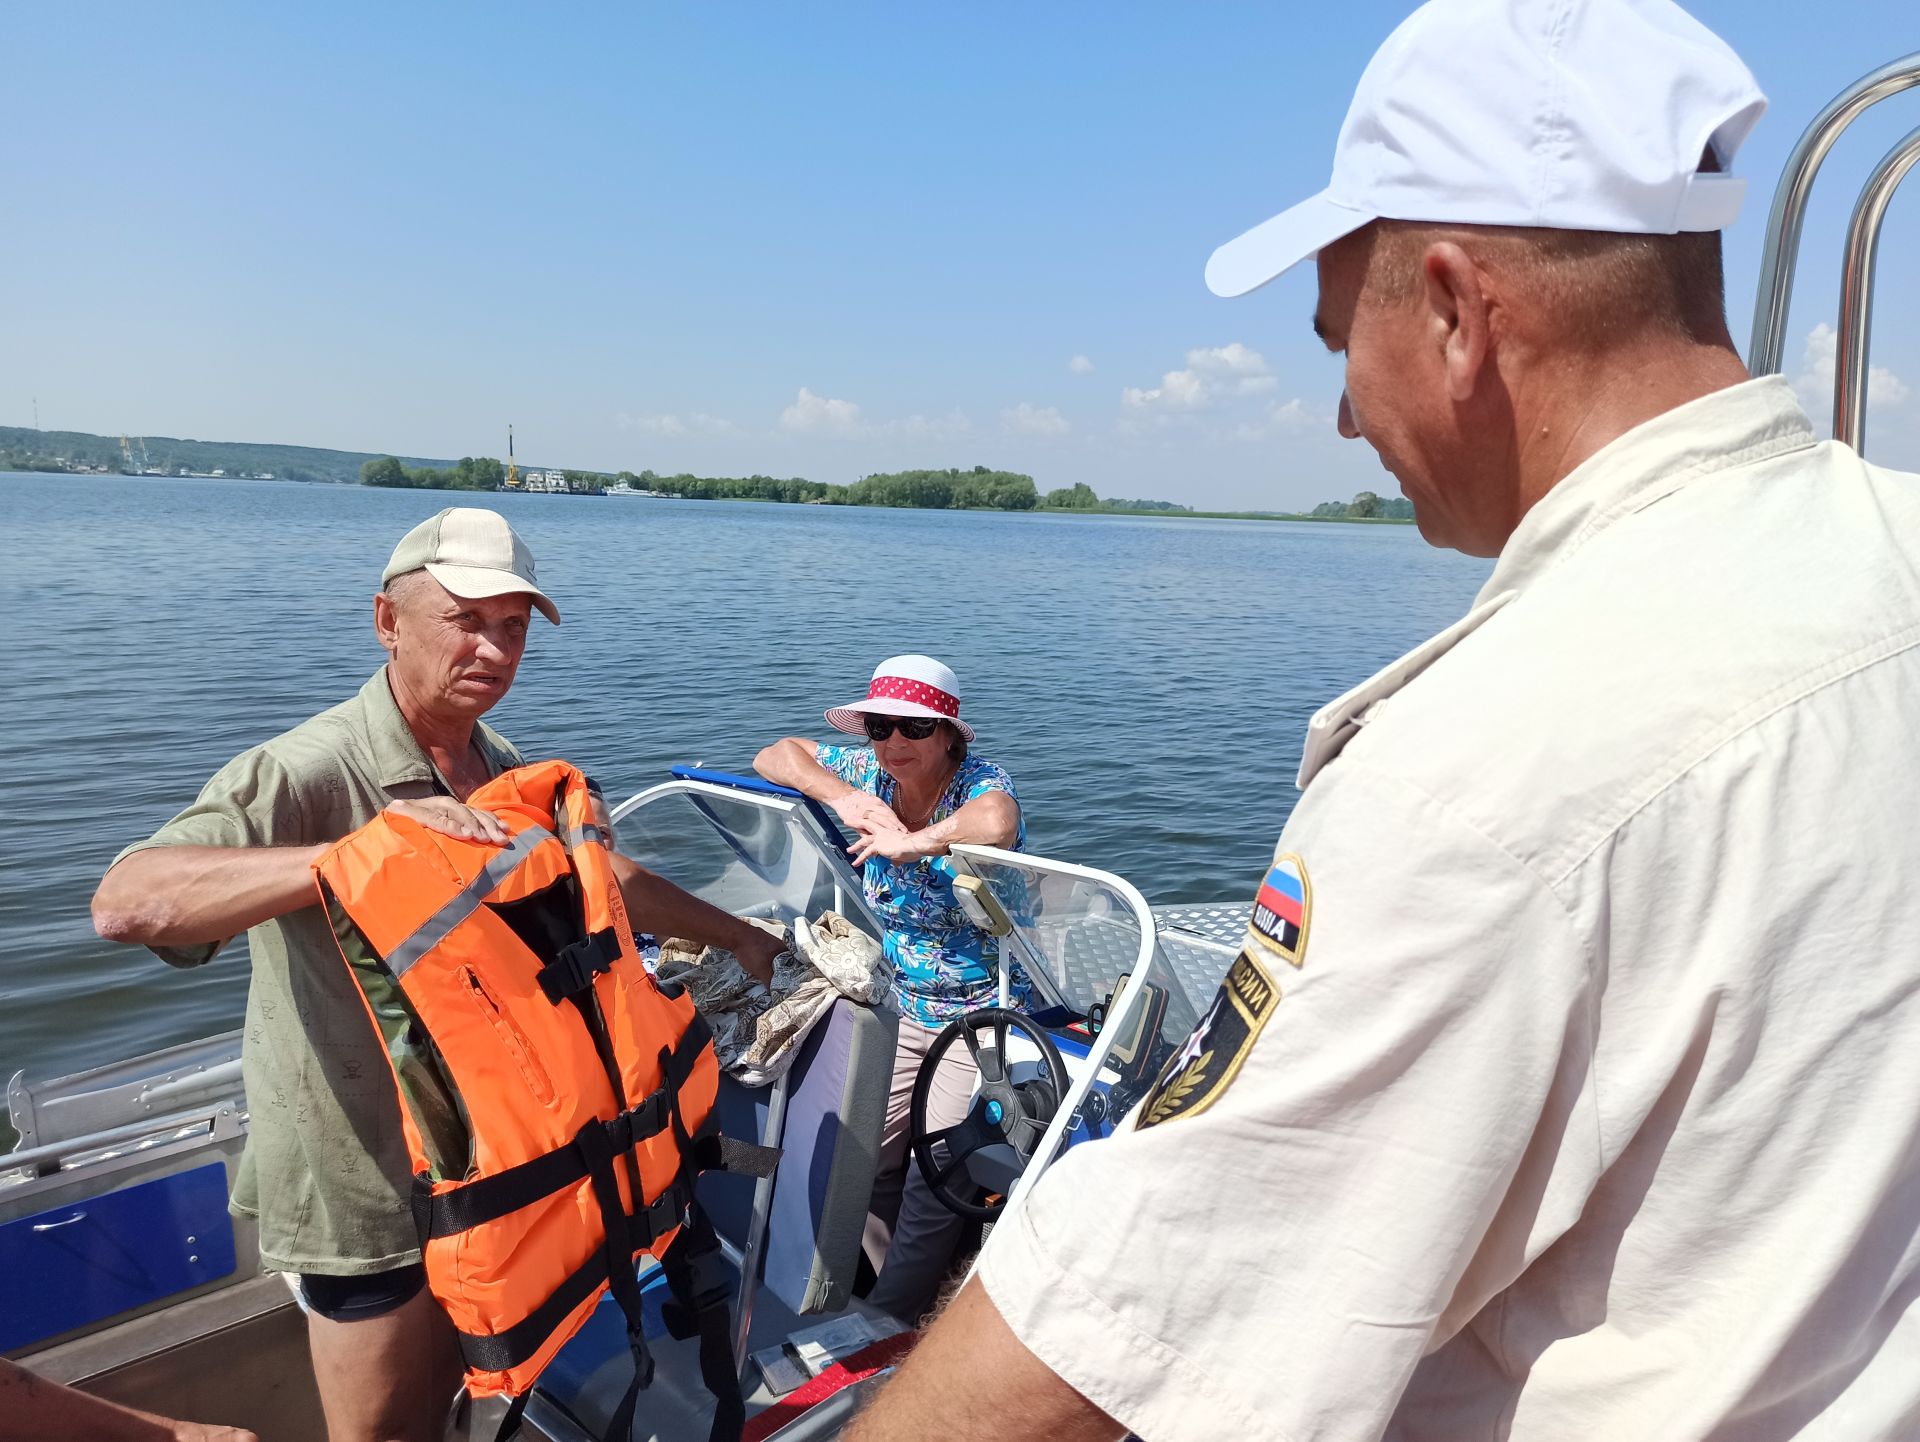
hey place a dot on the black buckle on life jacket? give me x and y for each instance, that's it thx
(637, 1123)
(574, 967)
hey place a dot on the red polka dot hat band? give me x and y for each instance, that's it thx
(905, 686)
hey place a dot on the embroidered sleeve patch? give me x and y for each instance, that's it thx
(1196, 1075)
(1283, 910)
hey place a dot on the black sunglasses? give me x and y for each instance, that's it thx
(914, 728)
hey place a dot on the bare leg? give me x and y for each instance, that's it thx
(390, 1378)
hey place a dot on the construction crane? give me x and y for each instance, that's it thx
(513, 472)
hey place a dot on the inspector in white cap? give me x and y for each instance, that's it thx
(1547, 113)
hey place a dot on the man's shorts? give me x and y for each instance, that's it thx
(356, 1299)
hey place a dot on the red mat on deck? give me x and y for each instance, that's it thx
(875, 1357)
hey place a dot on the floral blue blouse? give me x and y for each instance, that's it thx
(943, 965)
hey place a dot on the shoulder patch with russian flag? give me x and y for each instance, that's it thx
(1283, 910)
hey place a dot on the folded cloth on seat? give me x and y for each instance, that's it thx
(757, 1030)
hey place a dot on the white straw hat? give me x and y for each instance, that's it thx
(474, 553)
(1567, 114)
(905, 686)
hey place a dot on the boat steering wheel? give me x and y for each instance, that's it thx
(1003, 1112)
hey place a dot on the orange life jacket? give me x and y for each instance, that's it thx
(555, 1100)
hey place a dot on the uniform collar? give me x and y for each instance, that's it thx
(1753, 421)
(1337, 722)
(397, 757)
(1738, 426)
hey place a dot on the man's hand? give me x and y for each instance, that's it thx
(865, 812)
(757, 951)
(936, 1394)
(207, 1432)
(451, 818)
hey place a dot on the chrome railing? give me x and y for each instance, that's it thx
(1782, 245)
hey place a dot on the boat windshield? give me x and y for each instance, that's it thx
(754, 852)
(1091, 947)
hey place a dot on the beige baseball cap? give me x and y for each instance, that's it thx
(473, 553)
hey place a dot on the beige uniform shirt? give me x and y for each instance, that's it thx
(1591, 1108)
(325, 1169)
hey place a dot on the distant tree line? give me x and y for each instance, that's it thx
(22, 448)
(948, 490)
(979, 489)
(1118, 505)
(976, 490)
(792, 490)
(1366, 506)
(17, 459)
(469, 473)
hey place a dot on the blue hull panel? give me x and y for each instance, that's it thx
(72, 1265)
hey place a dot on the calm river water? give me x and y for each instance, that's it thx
(1145, 681)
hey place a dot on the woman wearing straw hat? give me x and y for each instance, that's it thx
(911, 793)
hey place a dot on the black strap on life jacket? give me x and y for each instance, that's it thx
(489, 1198)
(697, 1281)
(695, 1271)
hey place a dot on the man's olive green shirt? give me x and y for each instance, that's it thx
(325, 1170)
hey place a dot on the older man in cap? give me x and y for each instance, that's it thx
(325, 1171)
(1565, 1085)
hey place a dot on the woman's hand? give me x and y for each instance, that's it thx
(893, 845)
(451, 818)
(865, 812)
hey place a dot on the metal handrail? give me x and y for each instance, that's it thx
(1856, 292)
(1781, 248)
(162, 1126)
(1782, 245)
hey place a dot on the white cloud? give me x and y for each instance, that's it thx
(1282, 418)
(1080, 366)
(1235, 359)
(699, 422)
(1818, 363)
(1294, 415)
(821, 415)
(1211, 374)
(1178, 390)
(1031, 420)
(817, 415)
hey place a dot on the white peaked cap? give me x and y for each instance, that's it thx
(1568, 114)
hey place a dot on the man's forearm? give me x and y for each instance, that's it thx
(655, 904)
(938, 1395)
(191, 895)
(33, 1409)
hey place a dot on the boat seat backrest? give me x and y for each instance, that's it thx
(830, 1143)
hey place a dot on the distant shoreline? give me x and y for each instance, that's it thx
(1127, 511)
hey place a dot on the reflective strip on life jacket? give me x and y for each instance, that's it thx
(436, 928)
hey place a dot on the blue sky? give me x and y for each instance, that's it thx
(812, 240)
